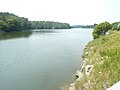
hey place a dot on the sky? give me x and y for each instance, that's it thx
(74, 12)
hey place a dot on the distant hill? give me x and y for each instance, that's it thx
(83, 26)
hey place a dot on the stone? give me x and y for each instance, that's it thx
(86, 53)
(88, 69)
(78, 74)
(72, 86)
(91, 48)
(100, 72)
(86, 59)
(102, 58)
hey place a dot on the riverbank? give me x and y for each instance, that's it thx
(101, 60)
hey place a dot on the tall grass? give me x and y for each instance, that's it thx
(105, 56)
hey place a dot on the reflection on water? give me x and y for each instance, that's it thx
(45, 30)
(41, 60)
(25, 34)
(12, 35)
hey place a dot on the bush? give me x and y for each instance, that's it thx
(116, 26)
(101, 29)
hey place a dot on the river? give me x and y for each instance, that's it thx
(41, 60)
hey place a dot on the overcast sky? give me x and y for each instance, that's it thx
(69, 11)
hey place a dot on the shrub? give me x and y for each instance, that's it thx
(101, 29)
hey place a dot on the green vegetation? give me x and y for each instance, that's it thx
(101, 29)
(10, 22)
(103, 53)
(49, 25)
(105, 58)
(83, 26)
(116, 26)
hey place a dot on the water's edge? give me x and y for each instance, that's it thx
(79, 73)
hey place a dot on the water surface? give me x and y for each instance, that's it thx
(41, 60)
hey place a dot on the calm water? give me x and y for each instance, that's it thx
(41, 60)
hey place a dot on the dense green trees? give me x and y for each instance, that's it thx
(83, 26)
(48, 25)
(101, 29)
(10, 22)
(116, 26)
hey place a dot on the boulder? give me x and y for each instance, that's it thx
(88, 69)
(78, 74)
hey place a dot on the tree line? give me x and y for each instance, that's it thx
(48, 25)
(11, 22)
(102, 28)
(83, 26)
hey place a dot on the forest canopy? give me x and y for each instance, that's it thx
(48, 25)
(11, 22)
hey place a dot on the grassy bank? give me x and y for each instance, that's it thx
(104, 55)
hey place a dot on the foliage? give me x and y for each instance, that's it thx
(101, 29)
(105, 57)
(48, 25)
(11, 22)
(116, 26)
(83, 26)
